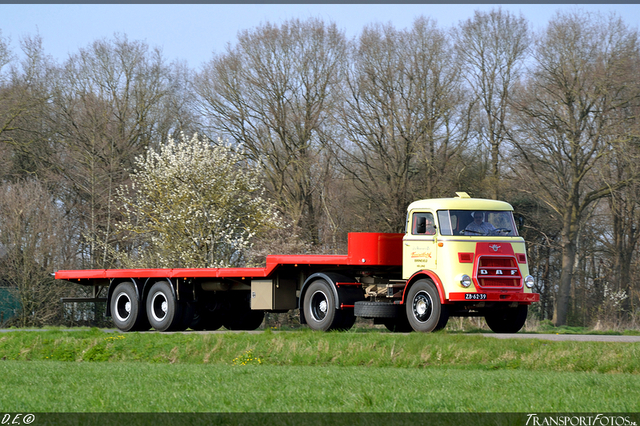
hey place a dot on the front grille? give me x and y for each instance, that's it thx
(498, 271)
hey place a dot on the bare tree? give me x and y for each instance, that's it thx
(5, 53)
(109, 105)
(34, 236)
(493, 47)
(273, 93)
(568, 122)
(24, 95)
(6, 117)
(401, 117)
(621, 237)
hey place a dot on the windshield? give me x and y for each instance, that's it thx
(477, 223)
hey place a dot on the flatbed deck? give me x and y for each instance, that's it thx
(365, 249)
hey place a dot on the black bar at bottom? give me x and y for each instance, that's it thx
(324, 419)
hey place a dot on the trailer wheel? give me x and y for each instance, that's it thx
(425, 313)
(207, 317)
(164, 312)
(125, 309)
(239, 315)
(509, 320)
(319, 307)
(247, 320)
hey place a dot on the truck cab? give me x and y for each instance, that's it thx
(468, 250)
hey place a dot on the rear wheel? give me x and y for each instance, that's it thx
(509, 320)
(125, 309)
(320, 309)
(164, 311)
(424, 311)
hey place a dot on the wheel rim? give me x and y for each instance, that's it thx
(159, 307)
(319, 306)
(123, 307)
(422, 306)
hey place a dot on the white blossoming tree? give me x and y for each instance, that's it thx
(194, 204)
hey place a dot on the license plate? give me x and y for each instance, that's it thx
(475, 296)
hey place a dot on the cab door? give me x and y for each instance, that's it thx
(419, 243)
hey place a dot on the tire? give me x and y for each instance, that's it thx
(125, 309)
(424, 311)
(164, 312)
(248, 321)
(240, 316)
(207, 316)
(319, 306)
(509, 320)
(376, 309)
(188, 313)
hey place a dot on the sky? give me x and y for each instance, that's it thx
(194, 32)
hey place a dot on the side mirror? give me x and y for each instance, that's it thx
(519, 221)
(421, 225)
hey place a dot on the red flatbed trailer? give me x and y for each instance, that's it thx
(131, 291)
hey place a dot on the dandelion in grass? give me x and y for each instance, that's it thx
(247, 359)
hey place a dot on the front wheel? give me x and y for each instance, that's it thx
(425, 313)
(509, 320)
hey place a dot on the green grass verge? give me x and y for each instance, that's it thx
(307, 348)
(93, 371)
(141, 387)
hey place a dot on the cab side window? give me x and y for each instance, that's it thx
(422, 224)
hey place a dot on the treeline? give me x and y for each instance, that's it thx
(346, 134)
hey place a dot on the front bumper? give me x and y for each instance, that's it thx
(494, 296)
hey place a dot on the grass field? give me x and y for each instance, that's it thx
(302, 371)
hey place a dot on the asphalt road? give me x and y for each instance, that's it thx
(567, 337)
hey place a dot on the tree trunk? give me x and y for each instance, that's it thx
(568, 238)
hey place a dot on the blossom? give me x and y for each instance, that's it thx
(194, 203)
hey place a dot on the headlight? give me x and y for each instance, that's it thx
(529, 281)
(465, 281)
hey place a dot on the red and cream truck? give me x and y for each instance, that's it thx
(458, 256)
